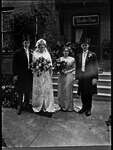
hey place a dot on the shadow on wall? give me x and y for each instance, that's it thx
(106, 55)
(106, 49)
(105, 65)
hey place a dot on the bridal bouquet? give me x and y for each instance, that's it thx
(60, 66)
(41, 65)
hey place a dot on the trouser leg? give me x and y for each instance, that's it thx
(86, 101)
(89, 102)
(83, 99)
(27, 94)
(26, 100)
(19, 102)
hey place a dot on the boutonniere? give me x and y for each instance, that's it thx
(90, 55)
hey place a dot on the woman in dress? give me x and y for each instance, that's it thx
(42, 92)
(65, 82)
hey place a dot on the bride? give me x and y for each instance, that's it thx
(42, 92)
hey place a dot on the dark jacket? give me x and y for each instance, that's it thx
(91, 72)
(20, 68)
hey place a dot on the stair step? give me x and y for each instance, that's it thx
(98, 97)
(104, 82)
(103, 87)
(102, 98)
(98, 94)
(105, 75)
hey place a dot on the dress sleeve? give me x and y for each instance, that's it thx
(73, 64)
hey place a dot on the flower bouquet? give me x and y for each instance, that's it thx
(60, 66)
(41, 65)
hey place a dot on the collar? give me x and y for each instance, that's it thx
(85, 51)
(26, 49)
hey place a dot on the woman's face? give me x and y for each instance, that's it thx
(42, 47)
(66, 52)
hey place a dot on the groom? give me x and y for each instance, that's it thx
(23, 75)
(87, 75)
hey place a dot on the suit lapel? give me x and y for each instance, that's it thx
(30, 56)
(80, 59)
(25, 56)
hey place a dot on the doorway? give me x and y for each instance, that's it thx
(92, 32)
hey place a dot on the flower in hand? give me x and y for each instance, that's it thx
(41, 65)
(60, 66)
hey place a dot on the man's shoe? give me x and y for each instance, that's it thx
(81, 111)
(19, 109)
(88, 113)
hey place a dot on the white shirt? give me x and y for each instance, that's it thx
(84, 55)
(27, 53)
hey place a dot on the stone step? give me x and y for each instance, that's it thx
(104, 82)
(101, 76)
(104, 89)
(105, 75)
(98, 93)
(101, 89)
(98, 97)
(102, 97)
(103, 86)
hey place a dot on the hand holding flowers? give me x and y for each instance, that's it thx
(41, 65)
(60, 66)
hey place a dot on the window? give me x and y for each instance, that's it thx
(7, 23)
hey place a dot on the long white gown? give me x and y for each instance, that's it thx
(42, 92)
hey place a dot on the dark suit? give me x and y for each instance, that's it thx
(20, 68)
(85, 87)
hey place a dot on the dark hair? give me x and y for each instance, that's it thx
(66, 47)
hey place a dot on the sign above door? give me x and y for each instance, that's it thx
(86, 20)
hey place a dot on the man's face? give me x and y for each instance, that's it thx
(26, 44)
(85, 46)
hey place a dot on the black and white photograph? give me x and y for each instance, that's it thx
(55, 74)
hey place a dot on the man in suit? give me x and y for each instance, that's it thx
(23, 75)
(87, 76)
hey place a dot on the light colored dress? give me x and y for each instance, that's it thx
(42, 92)
(65, 85)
